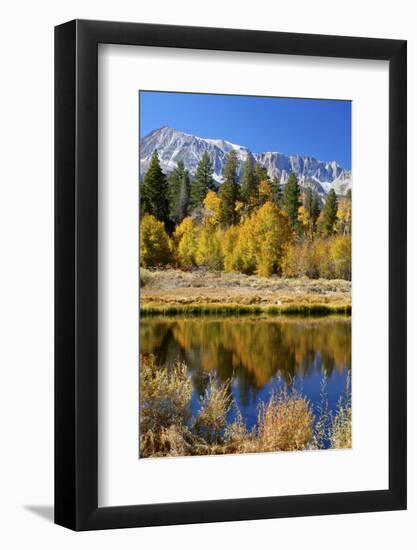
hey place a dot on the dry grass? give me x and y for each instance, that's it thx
(170, 291)
(341, 436)
(165, 396)
(211, 422)
(341, 424)
(285, 423)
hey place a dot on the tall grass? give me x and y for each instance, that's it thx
(341, 427)
(286, 422)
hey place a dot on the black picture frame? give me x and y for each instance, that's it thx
(76, 272)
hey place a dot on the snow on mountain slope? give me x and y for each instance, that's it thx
(173, 146)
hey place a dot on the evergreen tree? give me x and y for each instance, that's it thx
(330, 213)
(202, 183)
(311, 204)
(276, 192)
(229, 191)
(178, 192)
(249, 183)
(154, 196)
(261, 173)
(291, 200)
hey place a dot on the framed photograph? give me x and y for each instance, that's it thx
(230, 248)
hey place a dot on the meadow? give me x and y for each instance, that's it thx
(199, 291)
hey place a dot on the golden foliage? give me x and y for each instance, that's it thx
(265, 192)
(328, 258)
(344, 216)
(229, 243)
(155, 245)
(209, 251)
(212, 208)
(185, 236)
(256, 245)
(341, 254)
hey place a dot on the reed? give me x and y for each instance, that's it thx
(286, 422)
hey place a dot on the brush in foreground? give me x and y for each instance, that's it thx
(167, 428)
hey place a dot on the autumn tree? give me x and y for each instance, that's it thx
(303, 220)
(341, 253)
(330, 213)
(155, 245)
(211, 205)
(229, 191)
(178, 192)
(265, 192)
(209, 251)
(153, 192)
(185, 236)
(271, 234)
(203, 182)
(256, 245)
(291, 200)
(242, 255)
(344, 214)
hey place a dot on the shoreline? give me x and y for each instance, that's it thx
(197, 292)
(196, 310)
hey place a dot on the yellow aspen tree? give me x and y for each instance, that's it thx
(186, 237)
(208, 250)
(271, 233)
(303, 219)
(212, 208)
(155, 245)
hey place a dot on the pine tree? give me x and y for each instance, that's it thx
(291, 200)
(178, 192)
(330, 213)
(229, 191)
(276, 192)
(261, 173)
(154, 196)
(202, 183)
(249, 184)
(311, 204)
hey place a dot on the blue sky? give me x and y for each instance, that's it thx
(317, 127)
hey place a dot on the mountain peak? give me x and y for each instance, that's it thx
(174, 145)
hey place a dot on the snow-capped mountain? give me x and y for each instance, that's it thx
(173, 146)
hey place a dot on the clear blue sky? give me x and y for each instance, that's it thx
(317, 127)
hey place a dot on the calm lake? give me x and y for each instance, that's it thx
(259, 355)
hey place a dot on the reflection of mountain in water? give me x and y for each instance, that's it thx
(251, 351)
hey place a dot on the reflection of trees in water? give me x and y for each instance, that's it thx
(251, 351)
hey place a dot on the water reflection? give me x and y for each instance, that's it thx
(258, 354)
